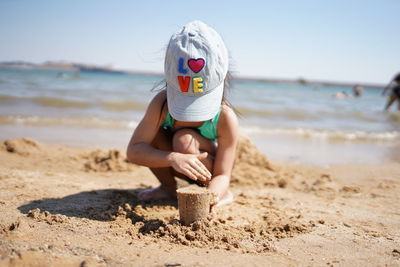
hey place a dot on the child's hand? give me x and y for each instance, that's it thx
(191, 166)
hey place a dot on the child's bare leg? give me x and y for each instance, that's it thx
(189, 141)
(391, 99)
(167, 188)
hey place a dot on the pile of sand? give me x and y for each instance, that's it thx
(220, 234)
(159, 220)
(107, 161)
(252, 168)
(20, 146)
(90, 160)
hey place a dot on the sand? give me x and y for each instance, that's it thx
(67, 206)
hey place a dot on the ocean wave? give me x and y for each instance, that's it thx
(7, 98)
(307, 133)
(47, 101)
(287, 113)
(90, 122)
(59, 102)
(394, 117)
(328, 135)
(257, 112)
(301, 114)
(123, 105)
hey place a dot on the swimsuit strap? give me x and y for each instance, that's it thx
(169, 121)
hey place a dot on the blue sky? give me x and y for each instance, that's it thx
(356, 41)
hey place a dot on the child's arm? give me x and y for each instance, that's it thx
(226, 152)
(139, 149)
(141, 152)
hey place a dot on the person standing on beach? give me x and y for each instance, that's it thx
(189, 130)
(395, 92)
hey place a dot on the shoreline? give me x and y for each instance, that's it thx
(64, 205)
(282, 148)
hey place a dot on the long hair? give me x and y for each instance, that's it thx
(397, 78)
(228, 90)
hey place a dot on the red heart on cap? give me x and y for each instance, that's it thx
(196, 65)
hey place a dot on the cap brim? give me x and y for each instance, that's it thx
(194, 108)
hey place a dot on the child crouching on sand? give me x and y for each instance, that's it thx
(189, 130)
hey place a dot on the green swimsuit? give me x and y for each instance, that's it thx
(208, 129)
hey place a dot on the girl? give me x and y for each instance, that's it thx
(189, 130)
(395, 94)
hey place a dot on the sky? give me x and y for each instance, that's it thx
(344, 41)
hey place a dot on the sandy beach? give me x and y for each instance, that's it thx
(68, 206)
(311, 90)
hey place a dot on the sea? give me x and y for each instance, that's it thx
(299, 123)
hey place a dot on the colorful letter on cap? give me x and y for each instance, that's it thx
(181, 68)
(184, 82)
(197, 84)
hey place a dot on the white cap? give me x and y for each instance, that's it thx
(196, 64)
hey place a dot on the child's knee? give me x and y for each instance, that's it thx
(185, 142)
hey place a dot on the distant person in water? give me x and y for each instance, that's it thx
(340, 95)
(394, 85)
(357, 90)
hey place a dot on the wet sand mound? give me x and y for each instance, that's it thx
(253, 169)
(82, 159)
(20, 146)
(107, 161)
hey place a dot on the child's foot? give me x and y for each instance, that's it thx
(155, 194)
(226, 199)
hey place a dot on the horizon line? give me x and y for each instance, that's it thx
(65, 65)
